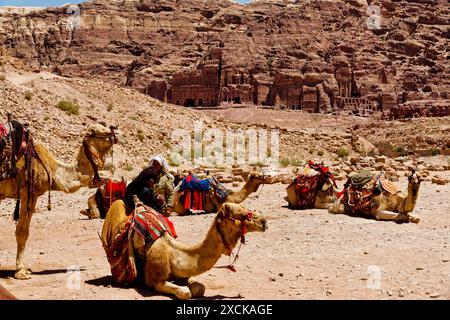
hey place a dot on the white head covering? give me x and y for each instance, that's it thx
(162, 161)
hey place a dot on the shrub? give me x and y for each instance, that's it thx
(28, 96)
(284, 162)
(400, 151)
(129, 167)
(141, 135)
(342, 152)
(70, 107)
(320, 153)
(435, 152)
(109, 107)
(2, 77)
(296, 162)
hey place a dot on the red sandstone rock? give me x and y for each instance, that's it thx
(316, 56)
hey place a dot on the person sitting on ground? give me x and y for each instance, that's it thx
(154, 186)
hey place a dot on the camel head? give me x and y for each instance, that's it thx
(103, 138)
(97, 143)
(238, 219)
(259, 178)
(414, 181)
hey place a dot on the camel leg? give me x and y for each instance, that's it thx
(92, 212)
(181, 292)
(337, 208)
(391, 216)
(413, 219)
(22, 233)
(197, 289)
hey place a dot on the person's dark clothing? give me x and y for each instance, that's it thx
(139, 187)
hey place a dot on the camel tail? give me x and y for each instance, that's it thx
(17, 210)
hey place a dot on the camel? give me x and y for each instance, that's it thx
(389, 205)
(255, 179)
(324, 198)
(52, 174)
(168, 260)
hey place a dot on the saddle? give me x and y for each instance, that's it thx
(308, 182)
(360, 189)
(193, 191)
(108, 193)
(150, 225)
(13, 146)
(16, 154)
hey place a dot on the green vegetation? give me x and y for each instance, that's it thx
(70, 107)
(342, 152)
(141, 135)
(285, 162)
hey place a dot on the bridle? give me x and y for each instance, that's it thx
(243, 223)
(90, 154)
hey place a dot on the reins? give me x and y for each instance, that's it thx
(227, 246)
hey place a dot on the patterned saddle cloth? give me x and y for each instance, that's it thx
(193, 191)
(13, 145)
(150, 225)
(361, 188)
(307, 184)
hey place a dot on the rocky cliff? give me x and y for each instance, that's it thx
(311, 55)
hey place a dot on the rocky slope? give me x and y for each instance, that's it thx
(133, 43)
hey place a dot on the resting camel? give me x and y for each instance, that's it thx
(324, 198)
(52, 174)
(255, 179)
(168, 260)
(390, 206)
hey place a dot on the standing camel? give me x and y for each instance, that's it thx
(168, 260)
(390, 205)
(254, 180)
(52, 174)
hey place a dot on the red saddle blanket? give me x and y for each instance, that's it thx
(108, 193)
(150, 225)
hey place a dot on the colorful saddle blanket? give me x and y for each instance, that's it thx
(108, 193)
(360, 189)
(13, 146)
(307, 184)
(150, 225)
(193, 191)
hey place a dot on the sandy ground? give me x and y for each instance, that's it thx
(307, 254)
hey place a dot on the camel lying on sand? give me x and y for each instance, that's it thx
(322, 197)
(168, 260)
(388, 205)
(52, 174)
(213, 204)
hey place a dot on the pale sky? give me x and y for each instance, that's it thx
(49, 3)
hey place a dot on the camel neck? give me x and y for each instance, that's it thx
(203, 256)
(239, 196)
(410, 200)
